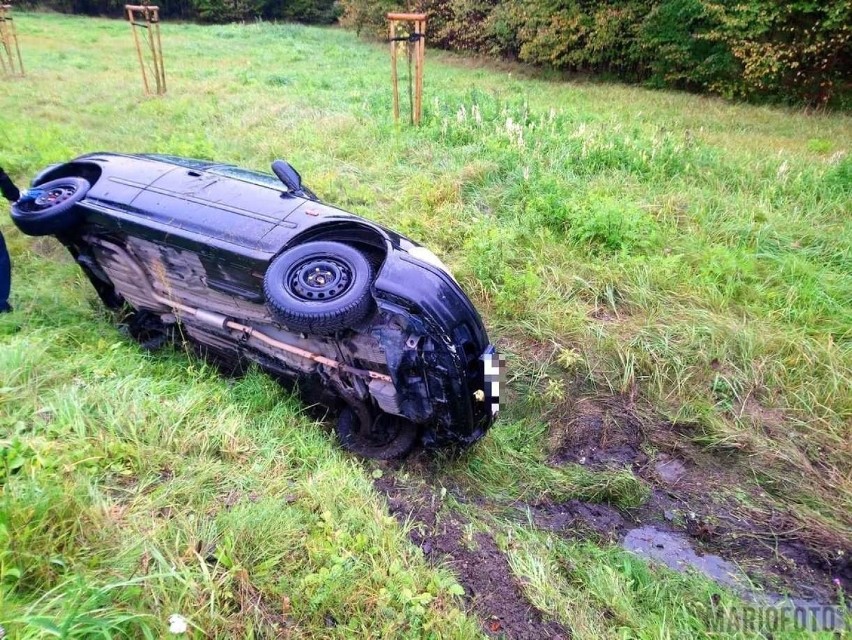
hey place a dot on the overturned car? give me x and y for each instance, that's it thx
(252, 267)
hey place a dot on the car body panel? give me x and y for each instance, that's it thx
(156, 228)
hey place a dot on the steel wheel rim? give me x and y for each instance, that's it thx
(39, 200)
(319, 279)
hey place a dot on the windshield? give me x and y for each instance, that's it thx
(189, 163)
(254, 177)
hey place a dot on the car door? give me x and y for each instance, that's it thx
(221, 209)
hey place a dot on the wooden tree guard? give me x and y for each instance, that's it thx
(148, 17)
(10, 57)
(416, 41)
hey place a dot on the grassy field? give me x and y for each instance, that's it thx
(669, 275)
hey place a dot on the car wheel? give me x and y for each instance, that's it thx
(392, 436)
(149, 331)
(319, 287)
(48, 209)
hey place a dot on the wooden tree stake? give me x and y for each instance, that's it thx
(10, 57)
(416, 43)
(148, 17)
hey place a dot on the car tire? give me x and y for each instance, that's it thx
(400, 436)
(149, 331)
(50, 208)
(319, 287)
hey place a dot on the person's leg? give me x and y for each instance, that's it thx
(5, 276)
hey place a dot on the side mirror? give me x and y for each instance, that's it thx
(291, 179)
(288, 175)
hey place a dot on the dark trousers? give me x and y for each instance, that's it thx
(5, 275)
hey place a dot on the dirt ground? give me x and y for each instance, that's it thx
(686, 500)
(692, 493)
(482, 569)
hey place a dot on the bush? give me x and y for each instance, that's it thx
(226, 10)
(367, 16)
(308, 11)
(801, 50)
(797, 52)
(459, 24)
(677, 57)
(580, 36)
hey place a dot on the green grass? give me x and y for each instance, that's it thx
(680, 249)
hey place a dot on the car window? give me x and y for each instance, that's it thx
(189, 163)
(254, 177)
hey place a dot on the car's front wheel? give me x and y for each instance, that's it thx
(319, 287)
(49, 209)
(387, 438)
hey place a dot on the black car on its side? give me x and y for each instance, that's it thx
(254, 268)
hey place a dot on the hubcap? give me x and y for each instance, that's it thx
(39, 199)
(319, 279)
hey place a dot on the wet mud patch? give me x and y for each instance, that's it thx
(707, 497)
(576, 518)
(675, 551)
(768, 547)
(735, 552)
(491, 589)
(729, 514)
(669, 470)
(598, 433)
(773, 547)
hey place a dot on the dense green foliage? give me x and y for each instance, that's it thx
(795, 51)
(308, 11)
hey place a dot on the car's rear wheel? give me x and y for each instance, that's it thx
(319, 287)
(387, 438)
(49, 209)
(149, 331)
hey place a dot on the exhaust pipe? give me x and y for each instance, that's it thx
(8, 188)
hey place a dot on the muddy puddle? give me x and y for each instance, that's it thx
(676, 552)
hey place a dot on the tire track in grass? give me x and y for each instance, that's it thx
(491, 590)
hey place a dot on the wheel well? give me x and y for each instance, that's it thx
(361, 236)
(86, 170)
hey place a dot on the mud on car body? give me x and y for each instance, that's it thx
(254, 268)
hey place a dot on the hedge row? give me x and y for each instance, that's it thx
(799, 51)
(309, 11)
